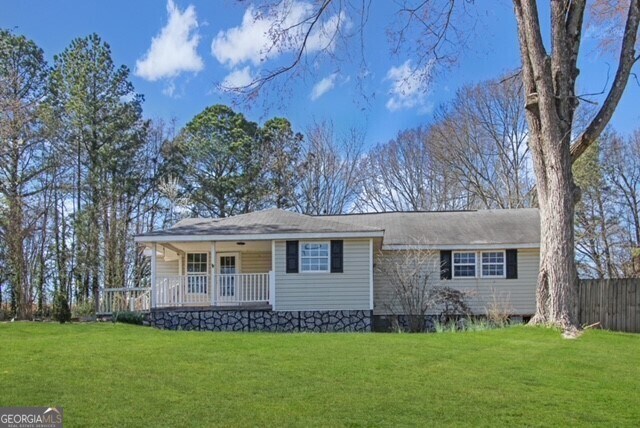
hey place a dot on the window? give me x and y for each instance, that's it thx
(314, 256)
(197, 278)
(464, 265)
(493, 264)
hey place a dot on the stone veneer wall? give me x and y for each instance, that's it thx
(261, 320)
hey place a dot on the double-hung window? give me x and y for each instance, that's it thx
(480, 264)
(464, 264)
(314, 256)
(197, 272)
(493, 264)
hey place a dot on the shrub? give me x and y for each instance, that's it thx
(5, 312)
(445, 327)
(475, 324)
(453, 303)
(414, 289)
(84, 309)
(61, 311)
(463, 324)
(499, 308)
(128, 317)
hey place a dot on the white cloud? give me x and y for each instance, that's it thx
(175, 49)
(262, 37)
(238, 79)
(323, 86)
(409, 86)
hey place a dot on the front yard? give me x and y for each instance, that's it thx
(121, 375)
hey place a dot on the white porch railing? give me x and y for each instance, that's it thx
(205, 290)
(192, 290)
(124, 299)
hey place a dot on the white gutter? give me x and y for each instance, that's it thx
(258, 237)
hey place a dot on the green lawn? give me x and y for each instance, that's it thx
(121, 375)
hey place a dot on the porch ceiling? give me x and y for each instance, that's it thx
(249, 246)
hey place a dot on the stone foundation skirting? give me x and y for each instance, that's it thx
(261, 320)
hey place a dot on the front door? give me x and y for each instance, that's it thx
(228, 270)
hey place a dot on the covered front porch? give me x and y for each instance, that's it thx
(211, 274)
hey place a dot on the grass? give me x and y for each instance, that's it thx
(123, 375)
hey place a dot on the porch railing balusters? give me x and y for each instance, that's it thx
(202, 290)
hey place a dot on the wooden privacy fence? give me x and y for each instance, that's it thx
(614, 303)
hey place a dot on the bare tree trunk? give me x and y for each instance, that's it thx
(557, 280)
(20, 301)
(42, 266)
(550, 150)
(550, 81)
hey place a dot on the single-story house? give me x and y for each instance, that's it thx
(281, 271)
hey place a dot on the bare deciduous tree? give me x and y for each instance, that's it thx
(412, 283)
(23, 74)
(330, 173)
(482, 136)
(597, 226)
(550, 81)
(550, 73)
(414, 290)
(404, 175)
(622, 172)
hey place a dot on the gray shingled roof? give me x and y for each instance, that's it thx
(270, 221)
(436, 228)
(482, 227)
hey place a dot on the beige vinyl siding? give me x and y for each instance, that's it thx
(256, 262)
(520, 293)
(251, 262)
(325, 291)
(164, 269)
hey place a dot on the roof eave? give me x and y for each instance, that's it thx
(258, 236)
(465, 246)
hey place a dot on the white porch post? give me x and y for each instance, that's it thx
(214, 292)
(272, 277)
(371, 274)
(154, 288)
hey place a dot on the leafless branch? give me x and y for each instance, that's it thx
(626, 62)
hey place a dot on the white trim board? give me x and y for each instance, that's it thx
(371, 262)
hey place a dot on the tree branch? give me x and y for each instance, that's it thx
(255, 86)
(626, 62)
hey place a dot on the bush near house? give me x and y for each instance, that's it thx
(61, 311)
(128, 317)
(106, 374)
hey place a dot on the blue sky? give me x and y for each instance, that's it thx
(199, 44)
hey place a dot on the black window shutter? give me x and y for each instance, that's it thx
(445, 264)
(337, 257)
(512, 264)
(292, 256)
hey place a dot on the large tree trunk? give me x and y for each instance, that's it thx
(550, 81)
(557, 280)
(549, 84)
